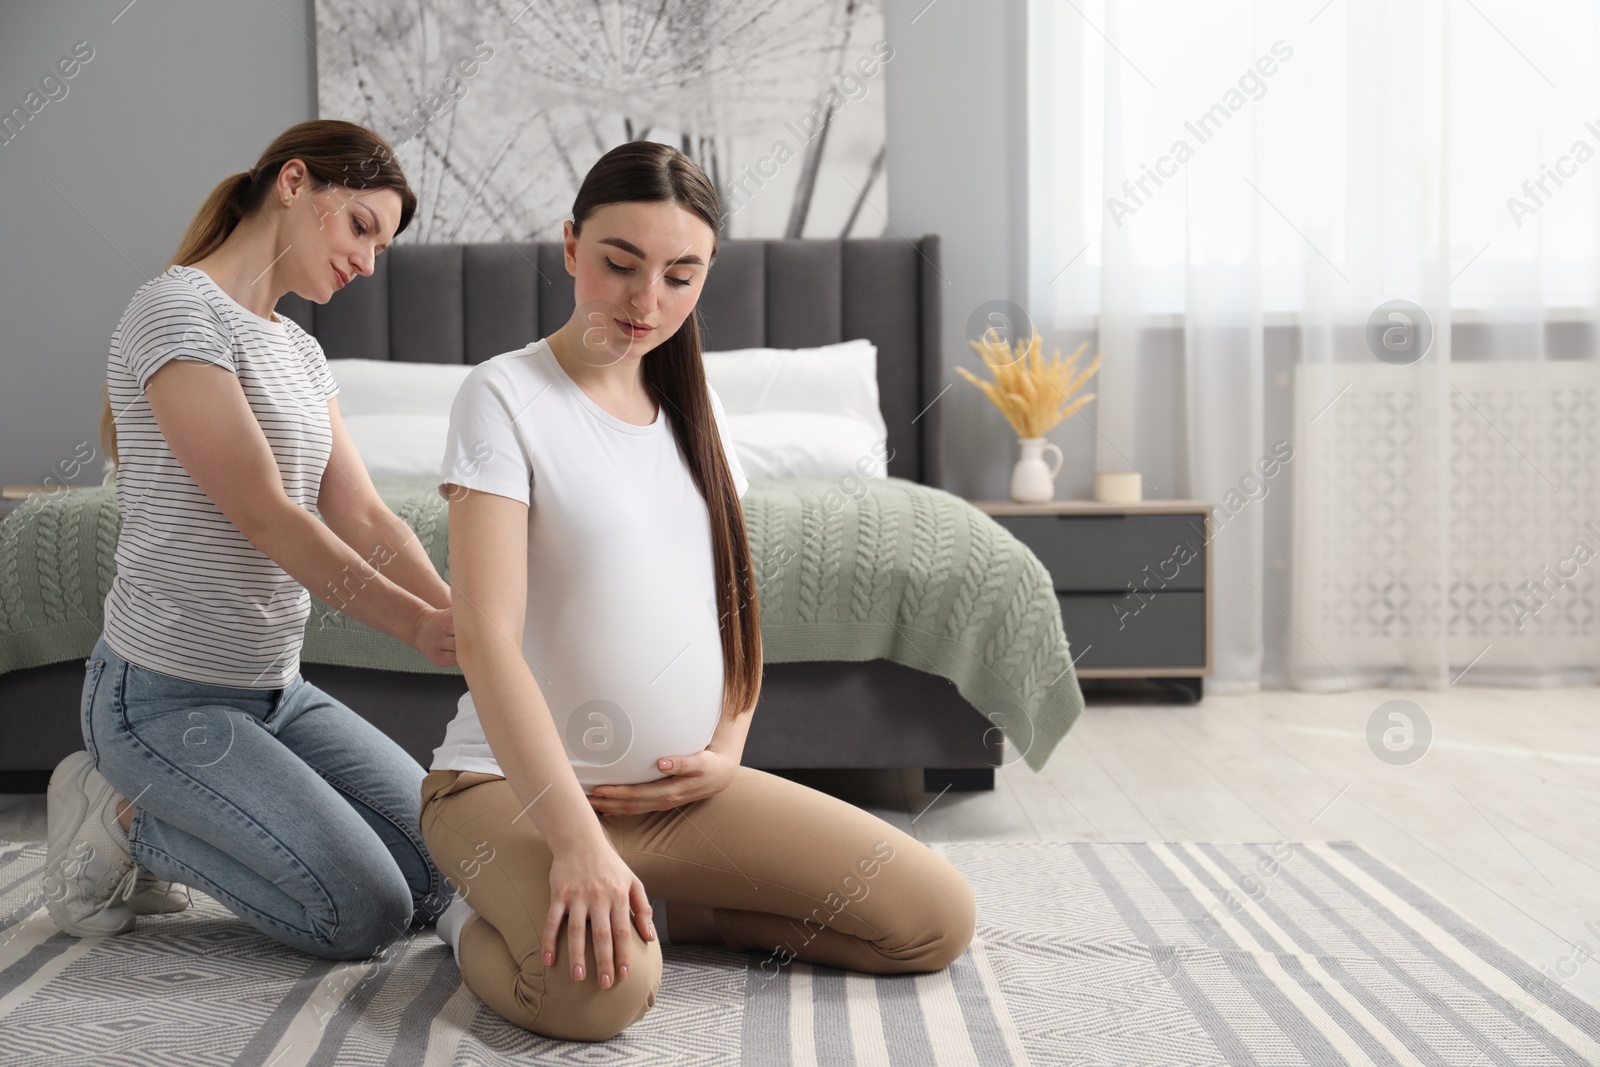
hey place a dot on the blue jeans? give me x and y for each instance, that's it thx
(297, 814)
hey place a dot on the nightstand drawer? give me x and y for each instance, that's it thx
(1108, 553)
(1117, 630)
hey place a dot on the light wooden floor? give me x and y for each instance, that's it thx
(1500, 819)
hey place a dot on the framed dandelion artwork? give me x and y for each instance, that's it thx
(497, 109)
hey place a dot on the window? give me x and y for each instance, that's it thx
(1386, 145)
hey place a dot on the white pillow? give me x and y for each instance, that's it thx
(400, 446)
(839, 381)
(387, 387)
(792, 413)
(806, 444)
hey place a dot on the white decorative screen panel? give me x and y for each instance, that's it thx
(1448, 508)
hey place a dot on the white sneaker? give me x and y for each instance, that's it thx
(153, 896)
(88, 874)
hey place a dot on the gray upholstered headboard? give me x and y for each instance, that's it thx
(455, 303)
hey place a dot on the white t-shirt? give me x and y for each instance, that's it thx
(192, 597)
(621, 628)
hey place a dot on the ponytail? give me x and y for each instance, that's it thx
(218, 216)
(224, 209)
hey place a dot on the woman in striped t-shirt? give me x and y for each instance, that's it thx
(211, 762)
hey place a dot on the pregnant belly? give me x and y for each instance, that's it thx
(606, 755)
(652, 687)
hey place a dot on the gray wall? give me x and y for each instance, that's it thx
(957, 167)
(180, 94)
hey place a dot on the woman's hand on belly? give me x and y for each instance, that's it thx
(689, 778)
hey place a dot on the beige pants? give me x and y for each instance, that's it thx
(789, 872)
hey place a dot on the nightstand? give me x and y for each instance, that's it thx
(1133, 581)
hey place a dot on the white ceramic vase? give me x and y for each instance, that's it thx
(1033, 481)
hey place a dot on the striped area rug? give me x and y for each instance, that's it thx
(1120, 954)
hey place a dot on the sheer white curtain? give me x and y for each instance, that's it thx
(1238, 194)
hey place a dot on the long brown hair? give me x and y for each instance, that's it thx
(331, 149)
(676, 375)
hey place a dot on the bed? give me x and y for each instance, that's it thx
(920, 634)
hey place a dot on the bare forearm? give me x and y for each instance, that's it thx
(318, 559)
(728, 738)
(384, 540)
(522, 735)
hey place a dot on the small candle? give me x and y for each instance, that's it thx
(1118, 487)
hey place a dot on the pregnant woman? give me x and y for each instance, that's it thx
(211, 762)
(610, 638)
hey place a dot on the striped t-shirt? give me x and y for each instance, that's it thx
(192, 597)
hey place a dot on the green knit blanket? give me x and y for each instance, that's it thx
(895, 570)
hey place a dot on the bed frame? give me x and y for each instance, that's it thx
(465, 303)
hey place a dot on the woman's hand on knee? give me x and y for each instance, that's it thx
(689, 778)
(592, 887)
